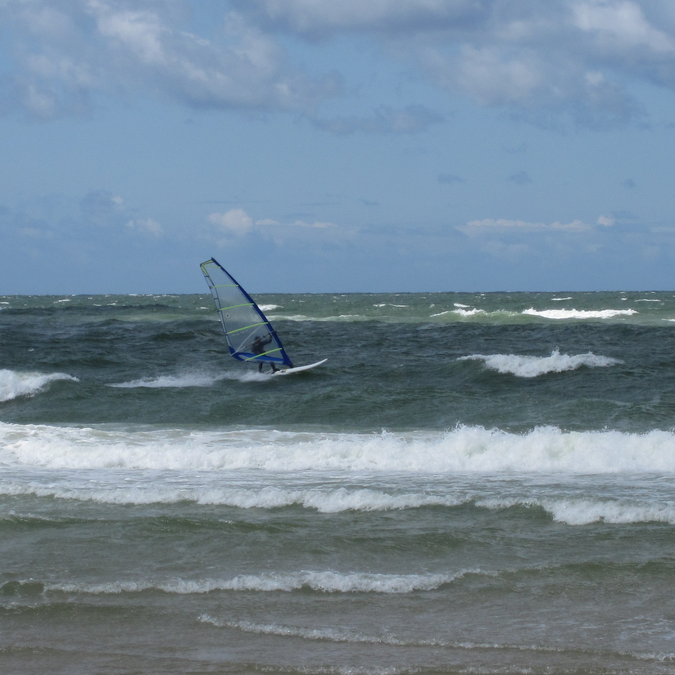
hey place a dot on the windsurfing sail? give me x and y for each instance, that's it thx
(249, 334)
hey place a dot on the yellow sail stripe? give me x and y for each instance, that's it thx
(257, 356)
(243, 304)
(253, 325)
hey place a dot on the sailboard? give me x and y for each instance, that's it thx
(250, 336)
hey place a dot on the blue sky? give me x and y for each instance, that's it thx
(315, 145)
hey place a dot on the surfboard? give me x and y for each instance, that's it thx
(298, 369)
(249, 334)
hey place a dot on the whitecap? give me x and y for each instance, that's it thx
(578, 314)
(191, 380)
(533, 366)
(469, 312)
(323, 581)
(464, 449)
(16, 383)
(583, 511)
(323, 500)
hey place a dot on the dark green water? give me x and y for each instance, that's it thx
(471, 483)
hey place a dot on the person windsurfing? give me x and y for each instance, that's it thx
(258, 347)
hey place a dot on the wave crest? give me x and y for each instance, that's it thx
(464, 449)
(16, 383)
(324, 581)
(533, 366)
(560, 314)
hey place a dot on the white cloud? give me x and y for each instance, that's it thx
(236, 221)
(316, 224)
(148, 225)
(321, 17)
(489, 225)
(534, 55)
(620, 25)
(235, 224)
(64, 51)
(607, 221)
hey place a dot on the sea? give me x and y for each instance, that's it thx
(472, 483)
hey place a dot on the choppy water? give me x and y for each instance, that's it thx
(474, 483)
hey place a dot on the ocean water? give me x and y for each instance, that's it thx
(473, 483)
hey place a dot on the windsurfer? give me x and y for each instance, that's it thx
(258, 347)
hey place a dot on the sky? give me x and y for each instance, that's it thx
(337, 145)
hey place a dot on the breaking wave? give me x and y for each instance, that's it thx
(533, 366)
(15, 383)
(560, 314)
(464, 449)
(326, 582)
(570, 510)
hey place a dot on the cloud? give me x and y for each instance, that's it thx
(606, 221)
(235, 221)
(538, 58)
(569, 56)
(65, 233)
(148, 225)
(235, 224)
(315, 224)
(618, 25)
(491, 226)
(66, 51)
(103, 209)
(321, 18)
(386, 120)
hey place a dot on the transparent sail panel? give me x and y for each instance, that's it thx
(249, 334)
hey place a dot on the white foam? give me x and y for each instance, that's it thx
(15, 383)
(469, 312)
(268, 308)
(187, 380)
(191, 380)
(561, 299)
(324, 581)
(583, 511)
(560, 314)
(464, 449)
(473, 312)
(586, 511)
(329, 634)
(323, 500)
(341, 634)
(533, 366)
(648, 300)
(302, 317)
